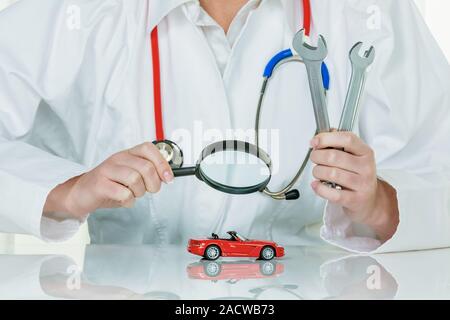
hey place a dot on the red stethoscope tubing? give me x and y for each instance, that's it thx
(156, 61)
(159, 127)
(307, 16)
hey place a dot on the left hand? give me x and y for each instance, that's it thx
(364, 198)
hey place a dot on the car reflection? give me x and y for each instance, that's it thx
(234, 271)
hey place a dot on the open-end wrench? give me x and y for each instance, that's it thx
(313, 58)
(360, 64)
(350, 113)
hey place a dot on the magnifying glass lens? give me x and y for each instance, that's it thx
(235, 169)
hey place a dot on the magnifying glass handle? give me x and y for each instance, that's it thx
(184, 172)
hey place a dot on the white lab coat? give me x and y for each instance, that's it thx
(70, 96)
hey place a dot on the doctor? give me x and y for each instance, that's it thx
(80, 90)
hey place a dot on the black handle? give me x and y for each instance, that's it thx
(184, 172)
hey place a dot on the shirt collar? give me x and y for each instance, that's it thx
(197, 15)
(159, 9)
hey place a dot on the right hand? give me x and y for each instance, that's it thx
(115, 183)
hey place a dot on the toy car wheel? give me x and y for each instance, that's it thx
(267, 268)
(212, 269)
(267, 253)
(212, 252)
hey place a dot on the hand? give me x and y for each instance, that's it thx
(364, 197)
(117, 182)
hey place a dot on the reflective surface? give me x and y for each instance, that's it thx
(147, 272)
(235, 169)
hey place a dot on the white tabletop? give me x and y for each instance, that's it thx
(150, 272)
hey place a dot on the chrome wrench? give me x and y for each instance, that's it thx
(360, 64)
(350, 113)
(313, 58)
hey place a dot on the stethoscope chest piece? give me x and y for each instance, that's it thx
(171, 152)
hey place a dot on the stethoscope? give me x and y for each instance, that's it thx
(174, 155)
(282, 58)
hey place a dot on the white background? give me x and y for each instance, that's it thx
(436, 15)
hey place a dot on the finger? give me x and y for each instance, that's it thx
(341, 140)
(346, 179)
(128, 177)
(151, 153)
(146, 169)
(340, 197)
(116, 193)
(338, 159)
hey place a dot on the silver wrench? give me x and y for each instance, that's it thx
(313, 58)
(356, 86)
(350, 113)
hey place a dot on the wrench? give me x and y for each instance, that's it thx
(356, 86)
(313, 58)
(350, 113)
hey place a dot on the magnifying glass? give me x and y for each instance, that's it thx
(231, 166)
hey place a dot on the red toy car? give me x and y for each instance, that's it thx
(235, 246)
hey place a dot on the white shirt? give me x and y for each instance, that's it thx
(221, 43)
(96, 80)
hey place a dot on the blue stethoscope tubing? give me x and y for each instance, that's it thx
(283, 57)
